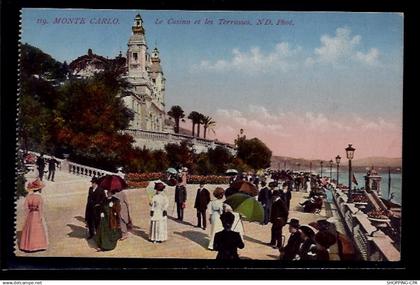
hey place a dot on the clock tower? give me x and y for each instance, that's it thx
(137, 50)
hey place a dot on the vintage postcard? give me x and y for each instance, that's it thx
(210, 135)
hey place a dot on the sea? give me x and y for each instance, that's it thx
(396, 183)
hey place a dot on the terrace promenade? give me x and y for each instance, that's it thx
(65, 202)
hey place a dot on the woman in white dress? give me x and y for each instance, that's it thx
(158, 215)
(216, 209)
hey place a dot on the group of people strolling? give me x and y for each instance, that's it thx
(108, 220)
(107, 216)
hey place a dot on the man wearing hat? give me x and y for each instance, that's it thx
(278, 218)
(158, 215)
(264, 197)
(202, 199)
(180, 198)
(40, 163)
(96, 197)
(292, 248)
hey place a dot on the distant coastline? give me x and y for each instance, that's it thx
(381, 164)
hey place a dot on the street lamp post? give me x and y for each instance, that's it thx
(337, 161)
(310, 167)
(322, 163)
(331, 165)
(350, 154)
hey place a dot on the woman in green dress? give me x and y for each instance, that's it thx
(109, 231)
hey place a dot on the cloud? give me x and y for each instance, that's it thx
(341, 48)
(311, 134)
(281, 58)
(371, 57)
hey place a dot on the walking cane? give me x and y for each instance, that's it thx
(173, 208)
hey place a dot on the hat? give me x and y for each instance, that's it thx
(227, 218)
(159, 186)
(325, 239)
(184, 169)
(272, 184)
(294, 223)
(35, 185)
(308, 231)
(94, 179)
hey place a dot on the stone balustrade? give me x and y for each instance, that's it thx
(158, 140)
(78, 169)
(372, 243)
(82, 170)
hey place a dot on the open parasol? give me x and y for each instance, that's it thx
(245, 187)
(231, 172)
(249, 208)
(113, 183)
(172, 170)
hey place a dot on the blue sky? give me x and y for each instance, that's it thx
(336, 65)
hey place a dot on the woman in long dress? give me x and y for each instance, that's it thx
(158, 215)
(109, 230)
(34, 233)
(216, 209)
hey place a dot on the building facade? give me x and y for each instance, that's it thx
(144, 73)
(142, 70)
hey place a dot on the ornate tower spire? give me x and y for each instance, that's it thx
(137, 27)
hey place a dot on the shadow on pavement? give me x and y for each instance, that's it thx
(81, 233)
(247, 238)
(180, 222)
(139, 232)
(80, 218)
(197, 237)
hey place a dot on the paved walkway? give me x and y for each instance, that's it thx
(65, 202)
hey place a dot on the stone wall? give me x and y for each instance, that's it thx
(158, 140)
(371, 242)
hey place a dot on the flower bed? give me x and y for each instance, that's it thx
(141, 180)
(378, 214)
(139, 177)
(360, 198)
(138, 184)
(209, 179)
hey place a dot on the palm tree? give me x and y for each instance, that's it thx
(199, 123)
(208, 124)
(177, 113)
(195, 118)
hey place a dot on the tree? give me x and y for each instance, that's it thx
(254, 153)
(180, 154)
(219, 157)
(194, 117)
(176, 113)
(200, 120)
(208, 124)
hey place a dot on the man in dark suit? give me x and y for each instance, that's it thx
(264, 197)
(227, 241)
(95, 199)
(293, 244)
(278, 218)
(180, 198)
(52, 163)
(202, 199)
(40, 163)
